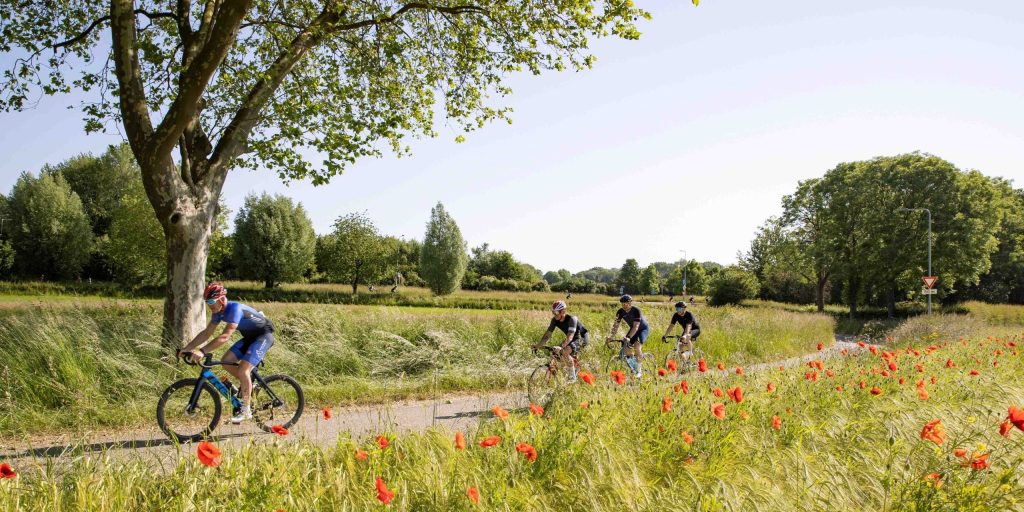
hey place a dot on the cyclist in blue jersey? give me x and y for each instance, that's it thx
(638, 330)
(257, 337)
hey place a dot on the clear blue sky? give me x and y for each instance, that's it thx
(684, 140)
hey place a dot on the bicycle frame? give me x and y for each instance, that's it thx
(207, 376)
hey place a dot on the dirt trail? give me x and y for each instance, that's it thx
(452, 412)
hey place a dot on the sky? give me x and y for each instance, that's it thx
(685, 140)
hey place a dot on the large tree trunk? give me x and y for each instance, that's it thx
(852, 292)
(819, 292)
(187, 233)
(891, 301)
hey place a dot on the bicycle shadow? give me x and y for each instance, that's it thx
(482, 413)
(65, 450)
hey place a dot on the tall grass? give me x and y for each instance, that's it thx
(77, 367)
(836, 449)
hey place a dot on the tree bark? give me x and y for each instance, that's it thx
(853, 291)
(187, 232)
(819, 292)
(891, 301)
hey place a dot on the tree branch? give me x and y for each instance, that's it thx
(458, 9)
(85, 33)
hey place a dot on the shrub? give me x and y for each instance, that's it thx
(732, 286)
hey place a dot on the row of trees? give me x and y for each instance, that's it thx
(858, 235)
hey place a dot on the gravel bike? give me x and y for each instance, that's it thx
(685, 353)
(618, 359)
(190, 409)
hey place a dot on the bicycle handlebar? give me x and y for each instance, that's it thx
(208, 362)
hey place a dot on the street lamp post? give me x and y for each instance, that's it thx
(685, 264)
(929, 212)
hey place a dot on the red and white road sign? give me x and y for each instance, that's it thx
(929, 281)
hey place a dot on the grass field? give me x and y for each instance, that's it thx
(76, 364)
(847, 433)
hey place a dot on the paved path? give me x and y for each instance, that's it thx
(453, 412)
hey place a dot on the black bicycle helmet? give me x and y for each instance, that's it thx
(681, 304)
(625, 298)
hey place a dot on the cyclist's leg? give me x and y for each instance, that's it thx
(638, 345)
(233, 355)
(255, 353)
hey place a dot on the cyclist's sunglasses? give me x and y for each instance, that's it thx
(210, 302)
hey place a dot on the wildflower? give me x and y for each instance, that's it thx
(490, 441)
(922, 394)
(279, 430)
(671, 365)
(587, 377)
(662, 372)
(861, 344)
(383, 494)
(717, 392)
(875, 390)
(839, 389)
(684, 387)
(980, 462)
(739, 370)
(382, 442)
(536, 410)
(935, 478)
(776, 422)
(830, 373)
(811, 376)
(718, 410)
(460, 441)
(744, 415)
(934, 432)
(6, 472)
(771, 387)
(919, 367)
(934, 380)
(473, 495)
(618, 377)
(1005, 427)
(687, 438)
(584, 405)
(362, 455)
(1016, 416)
(327, 413)
(499, 412)
(873, 349)
(702, 366)
(885, 373)
(721, 366)
(975, 373)
(902, 381)
(950, 363)
(736, 394)
(821, 346)
(960, 452)
(863, 384)
(844, 352)
(892, 366)
(209, 455)
(528, 451)
(666, 404)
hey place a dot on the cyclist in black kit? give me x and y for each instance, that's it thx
(685, 319)
(636, 335)
(576, 336)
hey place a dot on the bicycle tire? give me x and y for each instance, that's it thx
(178, 406)
(543, 384)
(269, 414)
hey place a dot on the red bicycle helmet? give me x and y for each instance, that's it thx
(215, 291)
(557, 306)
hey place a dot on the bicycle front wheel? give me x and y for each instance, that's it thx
(279, 403)
(184, 421)
(543, 383)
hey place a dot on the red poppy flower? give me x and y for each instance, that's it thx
(934, 432)
(687, 438)
(684, 387)
(721, 366)
(718, 410)
(839, 389)
(717, 392)
(666, 404)
(383, 494)
(528, 451)
(771, 387)
(934, 478)
(873, 349)
(960, 452)
(885, 373)
(618, 377)
(919, 367)
(279, 430)
(671, 365)
(382, 442)
(327, 413)
(861, 344)
(980, 462)
(1005, 427)
(473, 495)
(919, 384)
(934, 380)
(744, 415)
(362, 455)
(975, 373)
(821, 346)
(950, 363)
(209, 455)
(863, 384)
(844, 352)
(702, 366)
(811, 376)
(892, 366)
(830, 373)
(490, 441)
(922, 394)
(460, 441)
(776, 422)
(584, 405)
(499, 412)
(587, 377)
(875, 390)
(902, 381)
(736, 394)
(536, 410)
(6, 472)
(662, 372)
(739, 370)
(1016, 416)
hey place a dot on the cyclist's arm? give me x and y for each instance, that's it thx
(570, 334)
(545, 338)
(688, 327)
(225, 335)
(615, 328)
(201, 337)
(634, 329)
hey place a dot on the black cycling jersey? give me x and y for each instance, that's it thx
(684, 319)
(632, 316)
(568, 325)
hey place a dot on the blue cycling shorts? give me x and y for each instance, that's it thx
(253, 350)
(641, 335)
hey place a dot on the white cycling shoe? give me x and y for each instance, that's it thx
(244, 414)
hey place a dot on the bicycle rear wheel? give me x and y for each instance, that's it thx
(281, 407)
(543, 383)
(184, 422)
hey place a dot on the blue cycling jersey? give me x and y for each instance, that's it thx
(251, 323)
